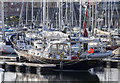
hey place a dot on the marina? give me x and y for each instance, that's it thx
(60, 41)
(109, 72)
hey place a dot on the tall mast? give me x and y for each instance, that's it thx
(108, 16)
(90, 14)
(93, 18)
(71, 14)
(32, 11)
(62, 14)
(118, 22)
(59, 16)
(80, 14)
(56, 21)
(3, 27)
(111, 14)
(66, 11)
(21, 12)
(47, 12)
(26, 12)
(44, 12)
(95, 13)
(85, 34)
(41, 12)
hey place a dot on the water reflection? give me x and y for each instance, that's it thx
(99, 74)
(109, 74)
(52, 76)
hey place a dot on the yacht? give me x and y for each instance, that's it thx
(60, 52)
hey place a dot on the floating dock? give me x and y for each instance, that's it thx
(26, 67)
(8, 63)
(7, 57)
(111, 63)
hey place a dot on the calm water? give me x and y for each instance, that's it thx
(105, 74)
(97, 75)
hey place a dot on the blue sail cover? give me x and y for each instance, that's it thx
(7, 30)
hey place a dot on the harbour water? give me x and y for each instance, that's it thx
(107, 74)
(97, 75)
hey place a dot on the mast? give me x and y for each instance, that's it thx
(41, 19)
(90, 20)
(66, 11)
(21, 12)
(118, 22)
(93, 18)
(3, 27)
(47, 13)
(71, 14)
(56, 21)
(111, 14)
(44, 12)
(26, 12)
(75, 21)
(80, 14)
(59, 16)
(90, 14)
(85, 34)
(32, 11)
(95, 13)
(108, 16)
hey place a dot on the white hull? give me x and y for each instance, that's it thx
(118, 42)
(19, 54)
(6, 48)
(117, 51)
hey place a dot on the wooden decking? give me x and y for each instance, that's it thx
(28, 64)
(7, 57)
(26, 67)
(111, 60)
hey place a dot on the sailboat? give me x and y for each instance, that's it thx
(60, 52)
(57, 48)
(4, 47)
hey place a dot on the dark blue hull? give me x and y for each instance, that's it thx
(69, 65)
(80, 65)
